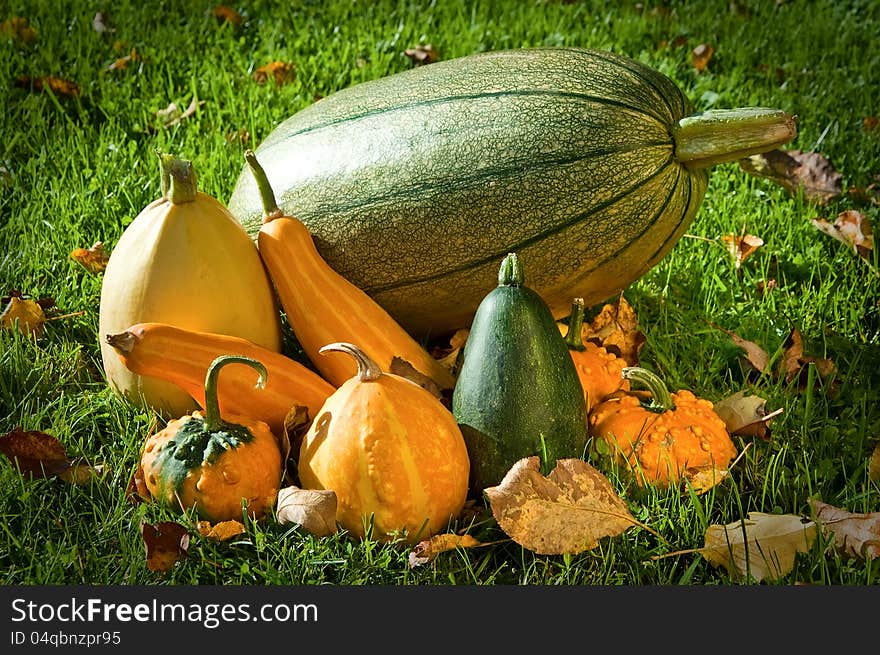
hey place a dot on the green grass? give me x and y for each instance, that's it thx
(78, 170)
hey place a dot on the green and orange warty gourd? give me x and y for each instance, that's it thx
(184, 260)
(390, 450)
(664, 436)
(220, 468)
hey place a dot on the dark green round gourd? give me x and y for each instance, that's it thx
(518, 393)
(586, 163)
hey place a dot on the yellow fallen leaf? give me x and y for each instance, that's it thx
(18, 29)
(94, 258)
(701, 56)
(282, 72)
(425, 551)
(222, 531)
(26, 315)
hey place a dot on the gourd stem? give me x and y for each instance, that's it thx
(368, 370)
(510, 273)
(213, 420)
(123, 342)
(721, 135)
(661, 399)
(178, 179)
(574, 337)
(267, 195)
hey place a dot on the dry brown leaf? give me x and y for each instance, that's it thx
(18, 29)
(82, 472)
(568, 511)
(137, 490)
(123, 62)
(794, 364)
(23, 314)
(166, 543)
(425, 551)
(222, 531)
(171, 115)
(296, 424)
(448, 354)
(874, 464)
(871, 124)
(741, 247)
(282, 72)
(422, 54)
(756, 357)
(94, 258)
(56, 85)
(746, 415)
(762, 545)
(400, 366)
(616, 328)
(797, 170)
(703, 479)
(36, 453)
(313, 509)
(856, 536)
(701, 56)
(227, 14)
(851, 228)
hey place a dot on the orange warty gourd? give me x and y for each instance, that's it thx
(391, 452)
(599, 370)
(183, 357)
(215, 466)
(323, 307)
(663, 438)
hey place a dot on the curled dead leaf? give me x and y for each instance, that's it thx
(568, 511)
(171, 115)
(741, 247)
(746, 415)
(793, 366)
(851, 228)
(222, 531)
(856, 536)
(23, 314)
(425, 551)
(795, 171)
(313, 509)
(35, 453)
(400, 366)
(616, 328)
(422, 54)
(94, 258)
(82, 472)
(701, 56)
(166, 543)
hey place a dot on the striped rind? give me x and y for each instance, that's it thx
(415, 186)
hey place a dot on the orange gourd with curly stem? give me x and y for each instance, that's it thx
(390, 450)
(662, 438)
(598, 369)
(215, 466)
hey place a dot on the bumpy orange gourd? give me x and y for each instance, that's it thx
(391, 452)
(212, 465)
(323, 307)
(598, 369)
(182, 356)
(663, 439)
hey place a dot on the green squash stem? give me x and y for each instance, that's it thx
(574, 336)
(661, 399)
(267, 195)
(510, 273)
(178, 179)
(722, 135)
(368, 370)
(213, 420)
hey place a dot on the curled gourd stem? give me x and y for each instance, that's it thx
(511, 274)
(178, 179)
(661, 399)
(123, 342)
(368, 370)
(213, 420)
(267, 195)
(573, 338)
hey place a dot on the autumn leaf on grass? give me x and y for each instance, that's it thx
(227, 15)
(746, 415)
(422, 54)
(166, 543)
(796, 170)
(755, 356)
(18, 29)
(425, 551)
(701, 56)
(101, 23)
(122, 62)
(568, 511)
(37, 454)
(741, 246)
(762, 545)
(855, 535)
(171, 115)
(56, 85)
(313, 509)
(137, 490)
(94, 258)
(850, 228)
(222, 531)
(23, 314)
(616, 328)
(80, 472)
(794, 364)
(282, 72)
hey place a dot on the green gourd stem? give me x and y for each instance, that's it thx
(722, 135)
(661, 399)
(574, 337)
(178, 179)
(368, 370)
(267, 195)
(213, 420)
(510, 273)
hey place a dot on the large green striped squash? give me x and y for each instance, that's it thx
(416, 185)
